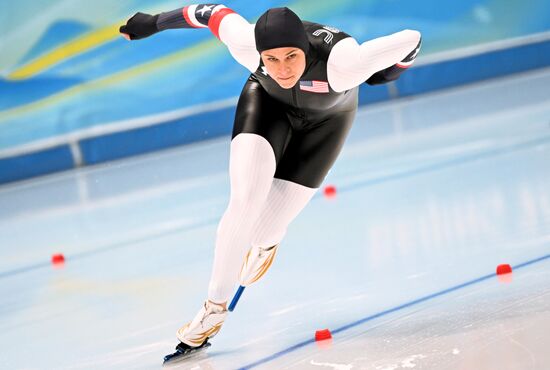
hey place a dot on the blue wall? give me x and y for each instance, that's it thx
(47, 89)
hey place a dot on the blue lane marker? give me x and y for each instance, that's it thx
(23, 269)
(108, 248)
(441, 165)
(386, 312)
(351, 187)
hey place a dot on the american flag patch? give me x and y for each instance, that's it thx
(314, 86)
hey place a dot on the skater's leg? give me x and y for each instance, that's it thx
(252, 165)
(251, 168)
(260, 134)
(285, 201)
(295, 183)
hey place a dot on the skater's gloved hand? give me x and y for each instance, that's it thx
(141, 25)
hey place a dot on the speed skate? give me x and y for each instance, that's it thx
(185, 352)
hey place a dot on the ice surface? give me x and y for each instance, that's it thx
(433, 192)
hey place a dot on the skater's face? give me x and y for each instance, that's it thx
(284, 65)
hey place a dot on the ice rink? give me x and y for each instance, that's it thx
(433, 193)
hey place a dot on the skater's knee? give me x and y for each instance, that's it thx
(252, 167)
(248, 196)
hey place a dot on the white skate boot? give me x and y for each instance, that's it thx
(256, 263)
(206, 324)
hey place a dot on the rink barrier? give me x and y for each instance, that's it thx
(126, 138)
(472, 67)
(50, 160)
(180, 131)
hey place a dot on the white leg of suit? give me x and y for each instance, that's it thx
(251, 168)
(285, 201)
(259, 212)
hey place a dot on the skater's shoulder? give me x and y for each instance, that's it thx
(322, 38)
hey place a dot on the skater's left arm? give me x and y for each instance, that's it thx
(392, 73)
(376, 61)
(229, 27)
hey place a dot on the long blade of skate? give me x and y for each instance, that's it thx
(184, 352)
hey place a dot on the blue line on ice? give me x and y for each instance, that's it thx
(388, 311)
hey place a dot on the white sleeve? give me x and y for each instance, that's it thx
(238, 35)
(350, 64)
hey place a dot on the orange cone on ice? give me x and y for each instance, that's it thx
(58, 259)
(330, 191)
(504, 269)
(322, 335)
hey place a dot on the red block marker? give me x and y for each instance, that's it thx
(58, 259)
(330, 191)
(322, 335)
(504, 269)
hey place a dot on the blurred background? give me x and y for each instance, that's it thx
(114, 158)
(73, 92)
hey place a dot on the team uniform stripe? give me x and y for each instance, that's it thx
(405, 64)
(218, 7)
(401, 65)
(192, 17)
(185, 12)
(216, 19)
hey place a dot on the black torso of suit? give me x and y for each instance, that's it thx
(306, 129)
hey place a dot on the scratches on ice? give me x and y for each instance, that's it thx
(407, 363)
(333, 366)
(120, 358)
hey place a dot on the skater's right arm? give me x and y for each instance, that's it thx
(232, 29)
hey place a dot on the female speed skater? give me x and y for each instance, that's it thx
(293, 116)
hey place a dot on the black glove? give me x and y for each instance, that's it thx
(141, 25)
